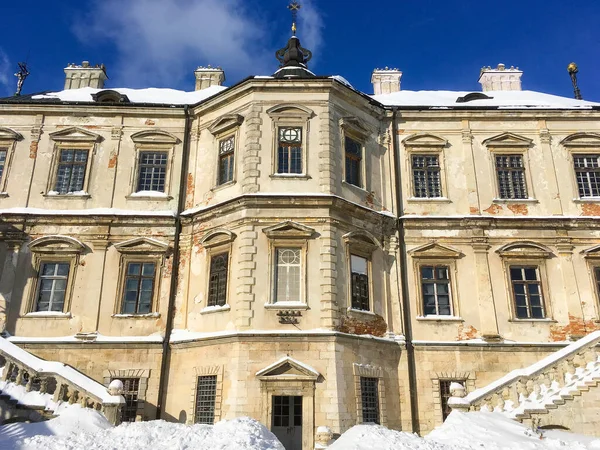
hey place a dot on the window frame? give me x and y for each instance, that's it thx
(348, 135)
(364, 246)
(426, 170)
(375, 372)
(290, 116)
(40, 278)
(581, 144)
(142, 262)
(592, 258)
(301, 247)
(510, 170)
(86, 173)
(206, 371)
(8, 140)
(230, 155)
(434, 281)
(424, 144)
(217, 242)
(356, 130)
(538, 282)
(223, 128)
(138, 168)
(363, 382)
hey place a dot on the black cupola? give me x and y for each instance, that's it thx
(293, 58)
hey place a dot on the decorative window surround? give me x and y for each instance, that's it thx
(435, 254)
(425, 144)
(73, 138)
(142, 374)
(224, 128)
(217, 242)
(290, 115)
(362, 244)
(153, 141)
(592, 257)
(468, 379)
(582, 145)
(367, 371)
(8, 142)
(203, 372)
(357, 131)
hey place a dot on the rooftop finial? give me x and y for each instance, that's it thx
(294, 7)
(573, 71)
(21, 75)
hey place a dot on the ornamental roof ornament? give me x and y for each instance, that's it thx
(293, 58)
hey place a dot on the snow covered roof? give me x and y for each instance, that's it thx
(499, 99)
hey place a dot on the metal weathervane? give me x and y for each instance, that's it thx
(294, 7)
(21, 75)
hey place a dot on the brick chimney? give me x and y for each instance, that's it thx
(386, 81)
(500, 78)
(85, 76)
(209, 76)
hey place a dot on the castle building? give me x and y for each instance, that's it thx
(294, 250)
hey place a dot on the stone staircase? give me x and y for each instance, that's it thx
(562, 390)
(31, 389)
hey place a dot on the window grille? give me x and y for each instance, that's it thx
(52, 286)
(139, 288)
(70, 174)
(131, 387)
(445, 395)
(152, 171)
(426, 176)
(226, 159)
(360, 282)
(289, 150)
(587, 172)
(435, 284)
(288, 274)
(353, 151)
(511, 177)
(369, 393)
(527, 292)
(206, 396)
(217, 291)
(3, 154)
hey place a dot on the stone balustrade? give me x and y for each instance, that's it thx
(542, 386)
(64, 382)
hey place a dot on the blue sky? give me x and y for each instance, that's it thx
(438, 44)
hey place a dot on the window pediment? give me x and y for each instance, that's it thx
(508, 140)
(362, 239)
(217, 237)
(288, 369)
(110, 96)
(435, 250)
(426, 140)
(289, 230)
(142, 245)
(6, 134)
(582, 140)
(75, 134)
(592, 253)
(226, 123)
(290, 110)
(154, 137)
(57, 244)
(355, 126)
(524, 250)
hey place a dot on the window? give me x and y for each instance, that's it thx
(435, 289)
(587, 172)
(226, 159)
(289, 150)
(3, 155)
(217, 291)
(359, 267)
(353, 152)
(152, 171)
(445, 395)
(426, 176)
(527, 292)
(511, 177)
(52, 286)
(139, 288)
(597, 276)
(131, 388)
(370, 399)
(288, 274)
(206, 393)
(70, 174)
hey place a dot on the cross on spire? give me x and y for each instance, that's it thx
(294, 7)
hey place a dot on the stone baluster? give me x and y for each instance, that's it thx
(43, 385)
(7, 370)
(29, 384)
(59, 394)
(20, 373)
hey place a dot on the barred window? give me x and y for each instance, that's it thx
(527, 292)
(70, 174)
(152, 171)
(139, 288)
(226, 159)
(426, 176)
(217, 293)
(445, 395)
(511, 176)
(131, 387)
(359, 268)
(587, 172)
(52, 286)
(353, 151)
(3, 154)
(206, 396)
(435, 286)
(288, 274)
(369, 393)
(289, 150)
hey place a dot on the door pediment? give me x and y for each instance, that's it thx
(288, 369)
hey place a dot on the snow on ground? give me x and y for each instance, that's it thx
(376, 437)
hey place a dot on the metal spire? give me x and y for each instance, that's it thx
(573, 70)
(294, 7)
(21, 75)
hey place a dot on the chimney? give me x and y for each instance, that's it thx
(85, 76)
(386, 81)
(500, 78)
(209, 76)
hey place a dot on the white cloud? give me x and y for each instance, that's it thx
(160, 42)
(5, 75)
(310, 28)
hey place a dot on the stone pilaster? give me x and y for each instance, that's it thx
(328, 160)
(7, 280)
(251, 155)
(573, 306)
(329, 272)
(552, 192)
(470, 170)
(485, 295)
(246, 279)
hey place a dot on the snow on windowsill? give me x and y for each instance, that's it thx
(153, 315)
(286, 305)
(547, 320)
(516, 200)
(440, 318)
(3, 194)
(296, 176)
(215, 309)
(48, 315)
(428, 200)
(361, 311)
(96, 338)
(75, 194)
(587, 200)
(153, 195)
